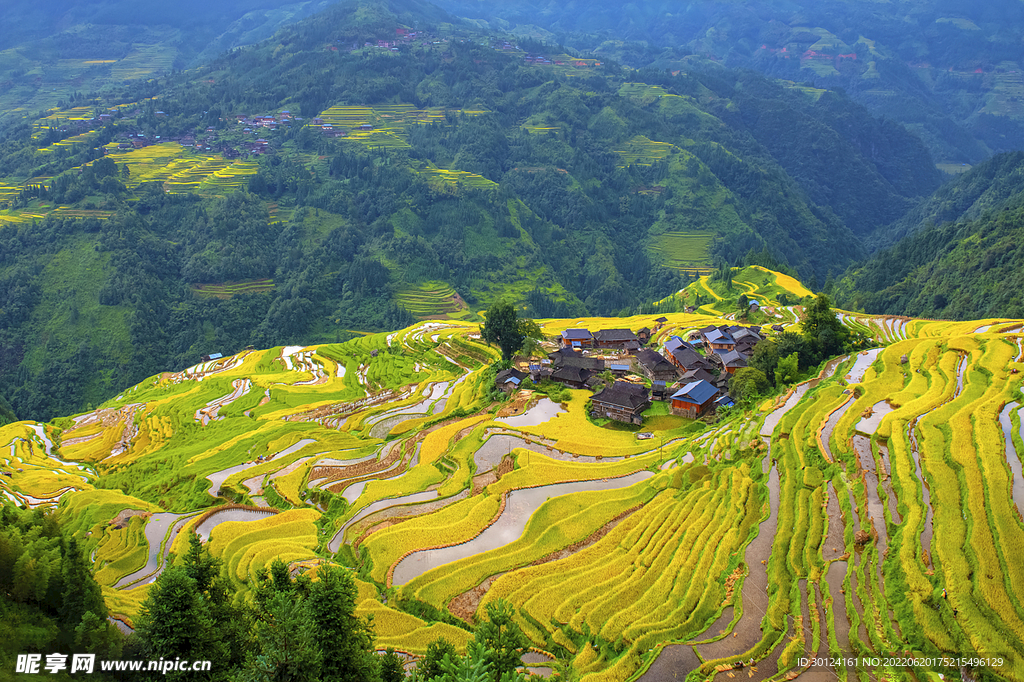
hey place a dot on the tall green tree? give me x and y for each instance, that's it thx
(287, 642)
(747, 383)
(787, 369)
(822, 329)
(765, 358)
(430, 666)
(345, 640)
(189, 614)
(503, 328)
(392, 668)
(503, 638)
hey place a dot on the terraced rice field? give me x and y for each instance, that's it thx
(83, 139)
(143, 61)
(873, 509)
(432, 300)
(8, 192)
(183, 173)
(229, 289)
(643, 151)
(456, 179)
(56, 116)
(20, 216)
(385, 125)
(68, 212)
(684, 251)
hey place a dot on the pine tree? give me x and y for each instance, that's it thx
(345, 640)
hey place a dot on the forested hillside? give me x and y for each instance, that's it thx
(986, 187)
(950, 71)
(960, 254)
(52, 49)
(963, 270)
(377, 163)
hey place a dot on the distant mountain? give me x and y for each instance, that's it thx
(381, 162)
(52, 49)
(951, 71)
(962, 256)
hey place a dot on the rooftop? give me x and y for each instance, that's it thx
(698, 392)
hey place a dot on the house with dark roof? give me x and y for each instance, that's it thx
(509, 380)
(745, 334)
(731, 361)
(745, 347)
(687, 359)
(694, 399)
(643, 335)
(622, 339)
(619, 369)
(777, 328)
(573, 377)
(698, 374)
(577, 338)
(622, 401)
(565, 357)
(660, 390)
(655, 366)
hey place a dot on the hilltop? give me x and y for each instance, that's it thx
(388, 452)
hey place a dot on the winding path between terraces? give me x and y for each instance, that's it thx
(675, 661)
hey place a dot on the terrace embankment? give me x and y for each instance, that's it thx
(521, 504)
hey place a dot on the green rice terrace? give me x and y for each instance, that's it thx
(873, 510)
(229, 289)
(684, 251)
(432, 299)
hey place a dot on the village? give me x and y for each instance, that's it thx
(626, 376)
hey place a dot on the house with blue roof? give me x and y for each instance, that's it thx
(694, 399)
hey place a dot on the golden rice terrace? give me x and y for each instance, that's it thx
(872, 512)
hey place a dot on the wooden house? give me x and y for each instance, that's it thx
(687, 359)
(577, 338)
(573, 377)
(622, 339)
(719, 340)
(698, 374)
(675, 343)
(656, 366)
(694, 399)
(731, 361)
(660, 390)
(622, 401)
(619, 369)
(643, 335)
(509, 380)
(569, 358)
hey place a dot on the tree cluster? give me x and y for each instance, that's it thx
(300, 629)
